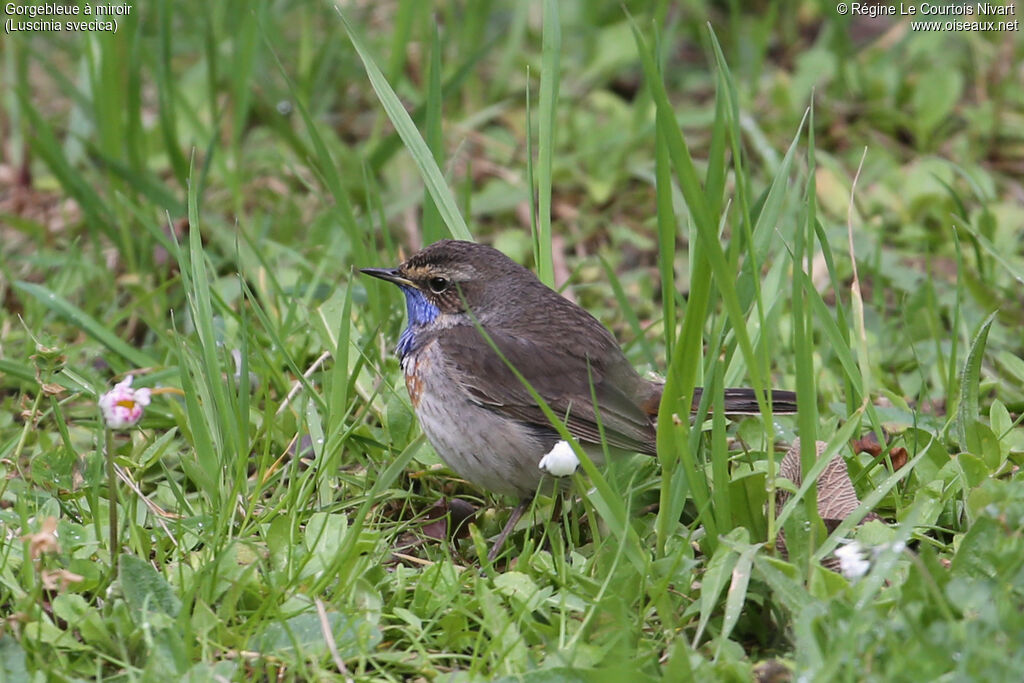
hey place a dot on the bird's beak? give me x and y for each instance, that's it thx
(389, 274)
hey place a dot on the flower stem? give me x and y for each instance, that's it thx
(112, 497)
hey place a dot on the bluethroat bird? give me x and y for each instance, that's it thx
(478, 415)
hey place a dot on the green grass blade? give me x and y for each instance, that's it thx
(432, 227)
(87, 323)
(720, 568)
(841, 437)
(167, 95)
(803, 324)
(1015, 269)
(721, 491)
(386, 148)
(667, 230)
(689, 182)
(707, 228)
(327, 167)
(627, 311)
(401, 36)
(418, 149)
(968, 410)
(549, 81)
(871, 500)
(738, 585)
(714, 181)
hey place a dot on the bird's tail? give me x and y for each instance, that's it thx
(737, 401)
(744, 401)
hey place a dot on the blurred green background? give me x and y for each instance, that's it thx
(199, 185)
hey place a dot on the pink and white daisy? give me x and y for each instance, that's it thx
(123, 406)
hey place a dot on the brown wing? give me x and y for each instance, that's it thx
(562, 374)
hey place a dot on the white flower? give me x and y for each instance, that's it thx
(560, 461)
(122, 406)
(853, 560)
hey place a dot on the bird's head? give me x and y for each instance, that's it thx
(448, 276)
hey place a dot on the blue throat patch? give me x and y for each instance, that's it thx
(421, 312)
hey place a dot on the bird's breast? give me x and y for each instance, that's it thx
(413, 378)
(492, 450)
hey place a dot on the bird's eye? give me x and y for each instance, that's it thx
(438, 284)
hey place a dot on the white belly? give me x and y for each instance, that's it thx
(491, 451)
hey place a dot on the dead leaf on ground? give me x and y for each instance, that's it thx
(44, 540)
(869, 444)
(837, 499)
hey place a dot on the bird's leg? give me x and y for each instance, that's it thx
(513, 519)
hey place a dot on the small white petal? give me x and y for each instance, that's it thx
(560, 461)
(852, 561)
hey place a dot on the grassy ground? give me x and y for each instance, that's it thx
(186, 200)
